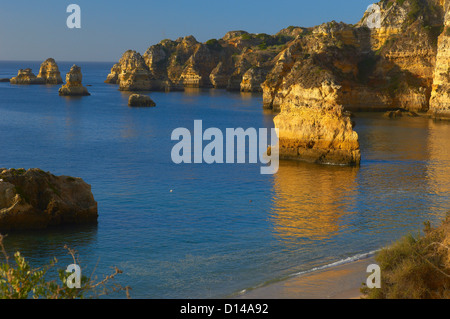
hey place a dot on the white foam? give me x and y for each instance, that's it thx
(338, 263)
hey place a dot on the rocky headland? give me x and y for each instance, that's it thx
(73, 86)
(37, 199)
(312, 76)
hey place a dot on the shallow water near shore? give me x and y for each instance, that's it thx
(210, 231)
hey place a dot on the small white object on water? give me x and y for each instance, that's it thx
(171, 191)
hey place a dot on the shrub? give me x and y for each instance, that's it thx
(415, 268)
(213, 44)
(18, 280)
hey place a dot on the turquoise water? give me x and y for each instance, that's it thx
(201, 231)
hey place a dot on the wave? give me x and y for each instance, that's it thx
(331, 265)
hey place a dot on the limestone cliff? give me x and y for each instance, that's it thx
(185, 62)
(36, 199)
(440, 95)
(401, 64)
(313, 75)
(49, 71)
(73, 86)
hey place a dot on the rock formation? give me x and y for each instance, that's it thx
(31, 199)
(73, 86)
(140, 100)
(440, 95)
(131, 73)
(185, 62)
(49, 72)
(319, 132)
(26, 76)
(404, 63)
(323, 71)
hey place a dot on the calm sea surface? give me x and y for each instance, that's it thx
(200, 231)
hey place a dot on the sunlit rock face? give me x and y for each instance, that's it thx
(401, 64)
(440, 96)
(49, 71)
(320, 132)
(26, 76)
(313, 75)
(73, 86)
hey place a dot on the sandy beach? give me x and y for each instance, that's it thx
(336, 282)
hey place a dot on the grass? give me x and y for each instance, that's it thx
(415, 268)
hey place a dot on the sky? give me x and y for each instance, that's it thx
(33, 30)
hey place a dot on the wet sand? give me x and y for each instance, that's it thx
(337, 282)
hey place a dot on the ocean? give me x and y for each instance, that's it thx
(212, 231)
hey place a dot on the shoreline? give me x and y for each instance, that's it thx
(341, 281)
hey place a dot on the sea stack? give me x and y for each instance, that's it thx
(32, 199)
(49, 72)
(26, 76)
(73, 86)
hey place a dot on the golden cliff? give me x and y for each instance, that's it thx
(440, 95)
(312, 76)
(401, 64)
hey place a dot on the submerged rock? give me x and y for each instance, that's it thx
(73, 86)
(400, 113)
(140, 100)
(33, 199)
(26, 76)
(49, 71)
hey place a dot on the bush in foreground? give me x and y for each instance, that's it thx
(18, 280)
(415, 268)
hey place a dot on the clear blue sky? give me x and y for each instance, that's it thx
(36, 29)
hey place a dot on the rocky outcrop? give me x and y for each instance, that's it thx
(140, 100)
(49, 71)
(32, 199)
(319, 132)
(26, 76)
(73, 86)
(252, 80)
(401, 64)
(186, 63)
(313, 75)
(440, 96)
(132, 73)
